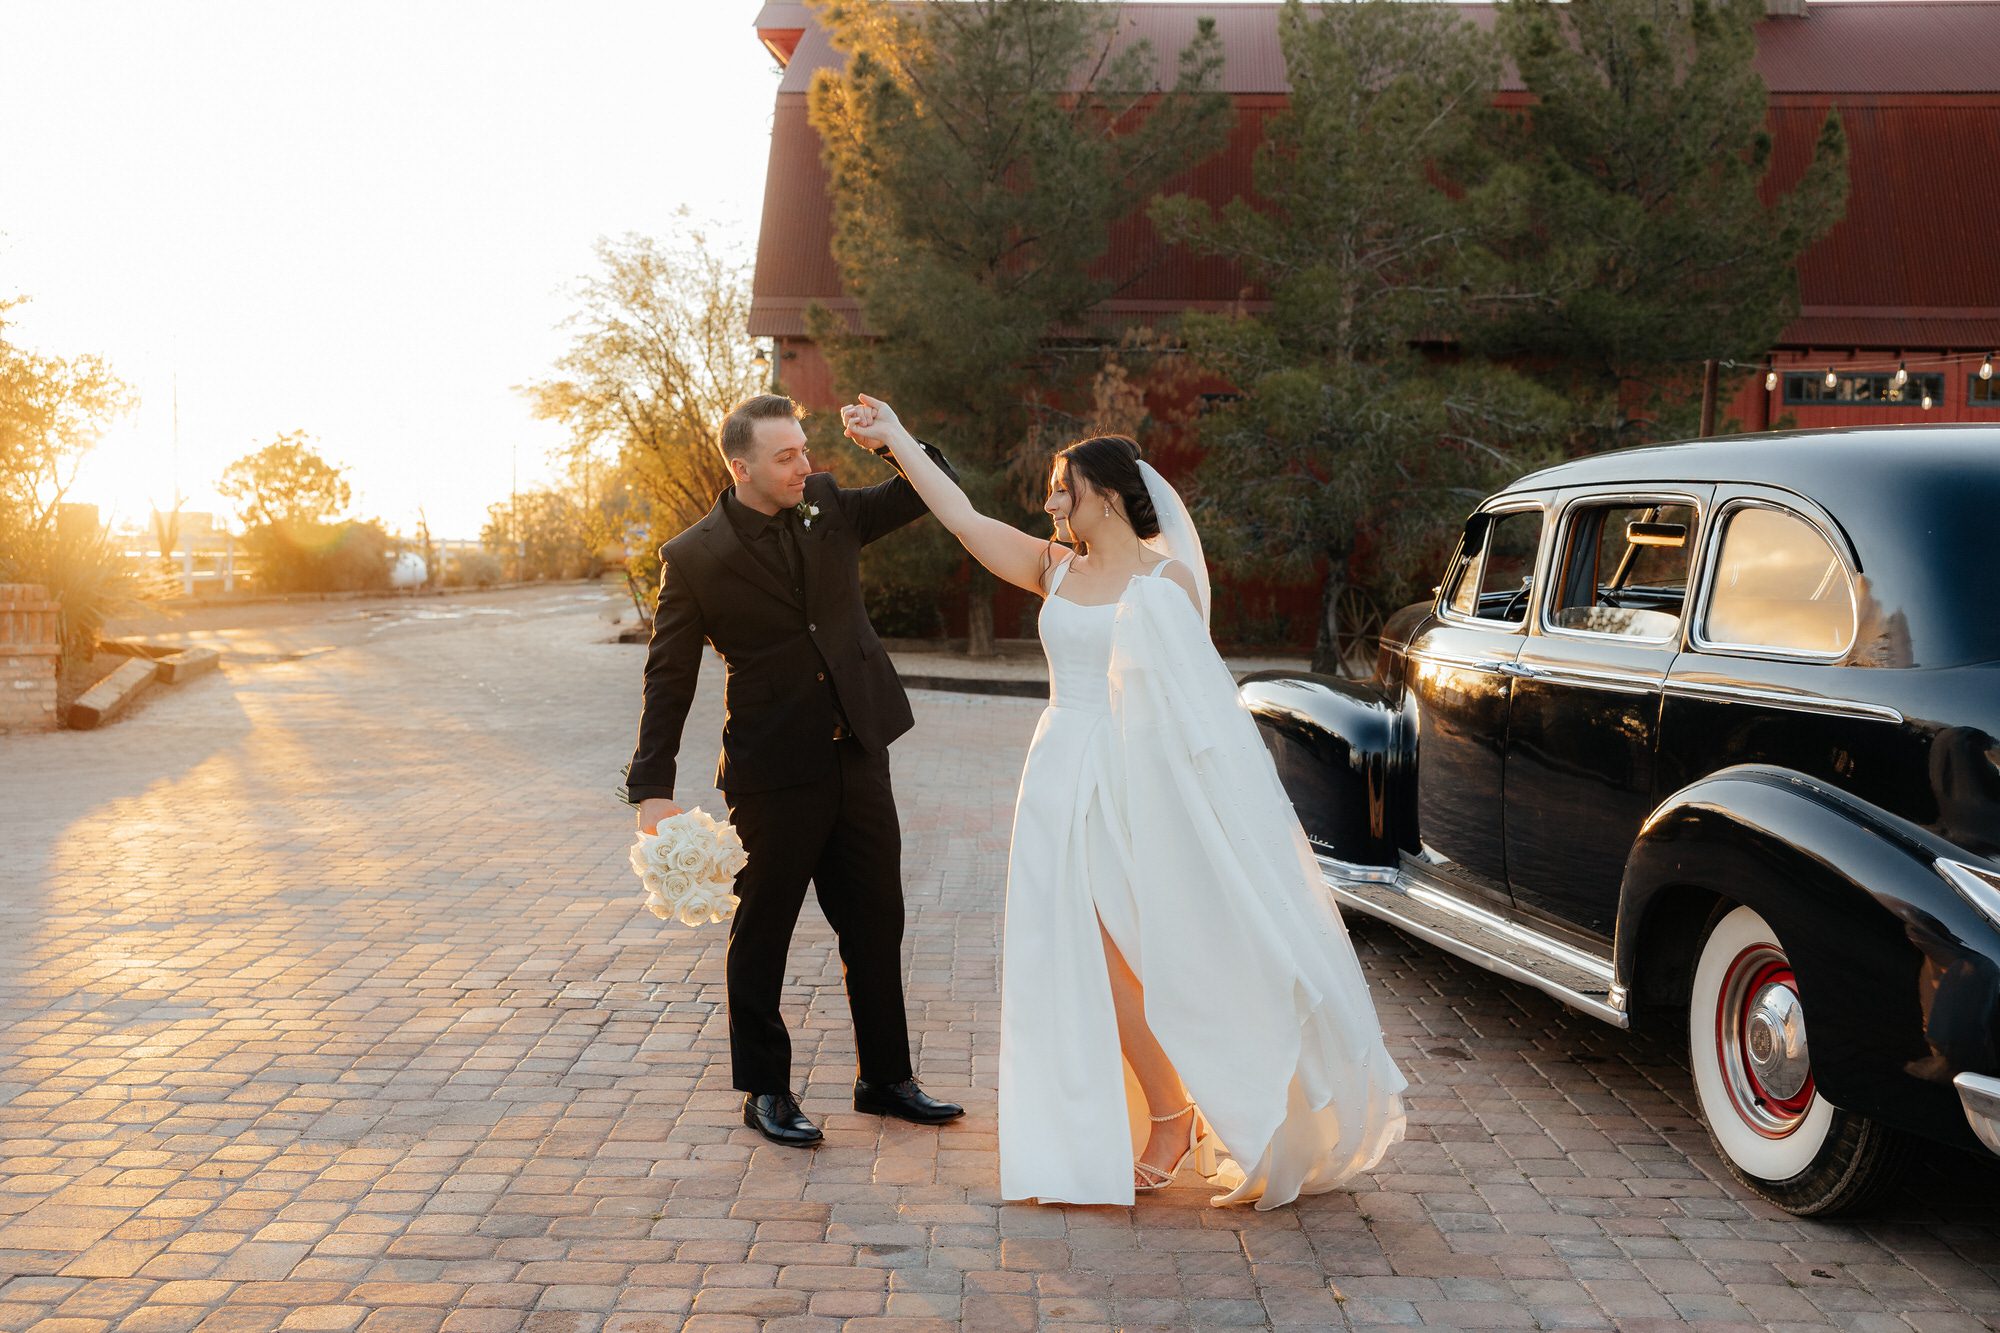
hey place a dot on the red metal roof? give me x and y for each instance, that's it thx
(1912, 264)
(1842, 46)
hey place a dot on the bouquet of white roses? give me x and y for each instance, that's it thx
(688, 868)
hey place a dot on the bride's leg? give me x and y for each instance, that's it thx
(1156, 1074)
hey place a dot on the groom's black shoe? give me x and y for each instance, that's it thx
(776, 1115)
(905, 1101)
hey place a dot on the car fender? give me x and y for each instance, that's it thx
(1897, 973)
(1337, 747)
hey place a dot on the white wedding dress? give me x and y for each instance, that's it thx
(1150, 804)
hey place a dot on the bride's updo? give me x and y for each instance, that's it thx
(1110, 463)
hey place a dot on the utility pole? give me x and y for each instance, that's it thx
(514, 504)
(175, 479)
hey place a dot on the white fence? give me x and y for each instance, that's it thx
(212, 563)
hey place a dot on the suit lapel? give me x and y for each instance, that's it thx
(728, 547)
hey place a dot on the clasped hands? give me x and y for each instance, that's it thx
(870, 423)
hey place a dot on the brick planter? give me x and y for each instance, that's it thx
(30, 653)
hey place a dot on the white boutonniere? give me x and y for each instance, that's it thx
(807, 512)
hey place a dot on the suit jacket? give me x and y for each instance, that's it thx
(779, 653)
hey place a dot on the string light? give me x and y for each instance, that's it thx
(1899, 388)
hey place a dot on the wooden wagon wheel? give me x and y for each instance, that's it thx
(1360, 632)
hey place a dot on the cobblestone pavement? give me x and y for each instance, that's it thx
(328, 1004)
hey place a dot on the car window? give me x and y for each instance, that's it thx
(1624, 569)
(1778, 584)
(1498, 566)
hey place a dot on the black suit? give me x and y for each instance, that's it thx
(811, 702)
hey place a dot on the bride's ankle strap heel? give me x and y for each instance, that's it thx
(1201, 1150)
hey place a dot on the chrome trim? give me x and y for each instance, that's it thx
(1695, 535)
(1491, 666)
(1433, 894)
(1596, 678)
(1610, 1009)
(1352, 872)
(1980, 888)
(1979, 1096)
(1698, 602)
(1441, 607)
(1792, 699)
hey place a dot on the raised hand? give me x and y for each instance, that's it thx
(870, 422)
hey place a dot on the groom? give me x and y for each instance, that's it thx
(771, 579)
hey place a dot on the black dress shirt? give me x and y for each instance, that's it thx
(773, 540)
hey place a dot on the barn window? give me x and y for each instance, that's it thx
(1862, 390)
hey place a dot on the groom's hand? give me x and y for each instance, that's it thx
(872, 424)
(856, 422)
(653, 810)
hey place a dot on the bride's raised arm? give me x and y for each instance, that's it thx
(1010, 553)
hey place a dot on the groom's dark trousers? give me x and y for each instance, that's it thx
(811, 702)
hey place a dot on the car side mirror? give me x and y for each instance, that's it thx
(1640, 533)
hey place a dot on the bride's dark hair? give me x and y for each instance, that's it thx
(1110, 463)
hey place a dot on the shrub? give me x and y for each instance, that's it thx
(86, 577)
(319, 557)
(472, 569)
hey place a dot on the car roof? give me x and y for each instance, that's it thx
(1919, 504)
(1819, 464)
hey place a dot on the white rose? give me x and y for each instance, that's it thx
(674, 885)
(673, 836)
(696, 909)
(641, 857)
(689, 857)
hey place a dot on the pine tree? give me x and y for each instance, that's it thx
(1644, 159)
(978, 154)
(1366, 244)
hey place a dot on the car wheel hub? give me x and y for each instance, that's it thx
(1761, 1042)
(1776, 1040)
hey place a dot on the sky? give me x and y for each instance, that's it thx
(354, 219)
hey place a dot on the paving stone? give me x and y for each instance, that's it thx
(369, 1032)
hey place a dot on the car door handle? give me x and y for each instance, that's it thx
(1494, 666)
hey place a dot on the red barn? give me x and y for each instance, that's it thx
(1910, 277)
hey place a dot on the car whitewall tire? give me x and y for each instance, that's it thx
(1751, 1055)
(1747, 1045)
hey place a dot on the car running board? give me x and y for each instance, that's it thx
(1408, 900)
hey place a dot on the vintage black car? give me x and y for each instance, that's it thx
(1703, 736)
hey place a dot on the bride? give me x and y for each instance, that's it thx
(1162, 904)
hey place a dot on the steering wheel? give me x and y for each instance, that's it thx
(1517, 601)
(1608, 596)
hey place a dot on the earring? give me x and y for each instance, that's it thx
(1107, 510)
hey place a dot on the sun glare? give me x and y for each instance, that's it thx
(354, 221)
